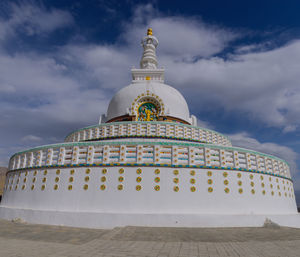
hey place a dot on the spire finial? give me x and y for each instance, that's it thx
(149, 44)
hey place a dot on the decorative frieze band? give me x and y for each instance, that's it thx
(149, 153)
(164, 130)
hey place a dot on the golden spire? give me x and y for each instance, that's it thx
(149, 32)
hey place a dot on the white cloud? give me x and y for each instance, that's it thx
(31, 138)
(32, 19)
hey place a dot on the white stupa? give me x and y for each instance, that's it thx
(148, 164)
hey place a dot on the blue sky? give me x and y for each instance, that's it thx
(236, 62)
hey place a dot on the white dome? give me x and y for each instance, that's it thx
(171, 101)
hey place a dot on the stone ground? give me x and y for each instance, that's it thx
(18, 240)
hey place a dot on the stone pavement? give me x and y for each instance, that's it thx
(17, 239)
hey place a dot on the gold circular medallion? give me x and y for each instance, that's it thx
(157, 188)
(157, 171)
(85, 187)
(138, 188)
(226, 182)
(102, 187)
(192, 172)
(103, 179)
(57, 172)
(175, 172)
(138, 179)
(176, 188)
(70, 187)
(210, 189)
(121, 171)
(193, 189)
(139, 171)
(86, 179)
(120, 187)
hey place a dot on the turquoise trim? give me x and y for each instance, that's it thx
(148, 143)
(146, 122)
(152, 165)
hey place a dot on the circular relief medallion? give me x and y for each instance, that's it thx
(23, 187)
(240, 190)
(157, 179)
(55, 187)
(278, 187)
(147, 112)
(121, 179)
(44, 180)
(279, 193)
(176, 188)
(120, 187)
(176, 180)
(85, 187)
(138, 179)
(24, 180)
(34, 174)
(72, 172)
(138, 188)
(226, 190)
(209, 181)
(56, 179)
(251, 176)
(121, 171)
(193, 181)
(139, 171)
(16, 187)
(270, 179)
(271, 185)
(157, 171)
(253, 191)
(87, 178)
(157, 188)
(71, 179)
(87, 171)
(104, 171)
(192, 172)
(26, 173)
(210, 189)
(33, 180)
(277, 180)
(262, 177)
(264, 192)
(209, 173)
(240, 183)
(272, 193)
(70, 187)
(45, 172)
(226, 182)
(102, 187)
(57, 172)
(175, 172)
(103, 179)
(262, 184)
(239, 175)
(43, 187)
(252, 183)
(225, 174)
(193, 189)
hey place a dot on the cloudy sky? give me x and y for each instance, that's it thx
(236, 62)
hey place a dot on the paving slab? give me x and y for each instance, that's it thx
(25, 240)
